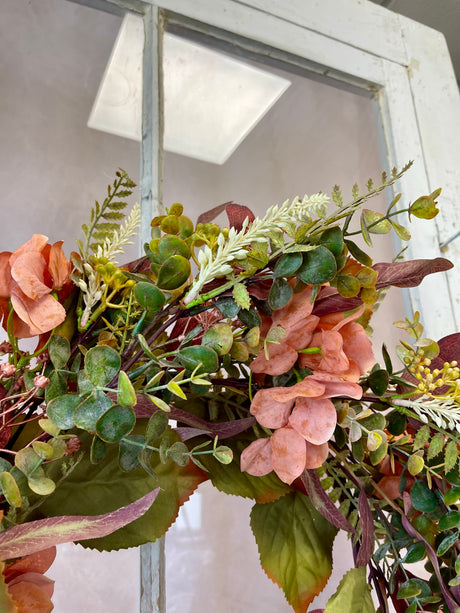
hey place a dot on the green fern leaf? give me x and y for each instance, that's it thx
(125, 193)
(106, 227)
(436, 445)
(421, 438)
(450, 455)
(84, 227)
(117, 206)
(114, 216)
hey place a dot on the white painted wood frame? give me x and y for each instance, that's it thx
(355, 42)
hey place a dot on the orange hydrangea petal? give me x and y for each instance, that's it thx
(40, 315)
(5, 274)
(300, 334)
(314, 419)
(270, 413)
(38, 562)
(288, 454)
(58, 265)
(28, 272)
(333, 386)
(281, 359)
(316, 455)
(333, 359)
(298, 307)
(357, 345)
(30, 597)
(256, 459)
(310, 387)
(36, 243)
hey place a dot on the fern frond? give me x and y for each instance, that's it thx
(444, 412)
(114, 244)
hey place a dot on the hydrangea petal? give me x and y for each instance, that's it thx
(310, 387)
(40, 315)
(281, 359)
(36, 243)
(256, 459)
(315, 455)
(58, 265)
(357, 345)
(333, 359)
(288, 454)
(314, 419)
(28, 272)
(298, 308)
(300, 334)
(333, 386)
(270, 413)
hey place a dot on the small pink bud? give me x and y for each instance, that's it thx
(7, 370)
(6, 347)
(72, 445)
(41, 381)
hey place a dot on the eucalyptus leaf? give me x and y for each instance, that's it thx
(59, 351)
(318, 266)
(115, 423)
(102, 364)
(61, 410)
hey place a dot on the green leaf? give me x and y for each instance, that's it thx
(219, 337)
(59, 351)
(436, 445)
(61, 410)
(318, 266)
(374, 222)
(424, 208)
(348, 286)
(421, 438)
(102, 364)
(353, 594)
(47, 426)
(295, 546)
(42, 449)
(401, 231)
(94, 489)
(176, 390)
(450, 520)
(358, 253)
(130, 448)
(423, 498)
(415, 553)
(378, 381)
(280, 293)
(116, 423)
(250, 318)
(415, 464)
(287, 265)
(156, 426)
(27, 460)
(161, 404)
(173, 273)
(197, 355)
(450, 455)
(332, 238)
(178, 452)
(446, 543)
(126, 392)
(228, 307)
(241, 295)
(56, 387)
(91, 409)
(173, 245)
(397, 422)
(377, 456)
(223, 454)
(97, 453)
(452, 495)
(149, 296)
(409, 589)
(41, 485)
(10, 490)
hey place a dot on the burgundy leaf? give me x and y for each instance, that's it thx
(188, 433)
(449, 350)
(260, 289)
(33, 536)
(208, 216)
(145, 408)
(236, 214)
(322, 503)
(410, 273)
(367, 530)
(330, 301)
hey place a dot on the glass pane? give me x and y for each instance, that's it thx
(52, 168)
(307, 136)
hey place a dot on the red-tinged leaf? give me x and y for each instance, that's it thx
(236, 214)
(47, 585)
(211, 214)
(260, 289)
(322, 503)
(6, 602)
(366, 548)
(449, 350)
(92, 489)
(410, 273)
(353, 594)
(33, 536)
(295, 547)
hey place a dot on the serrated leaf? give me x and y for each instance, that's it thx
(421, 438)
(353, 594)
(241, 296)
(295, 546)
(436, 445)
(450, 455)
